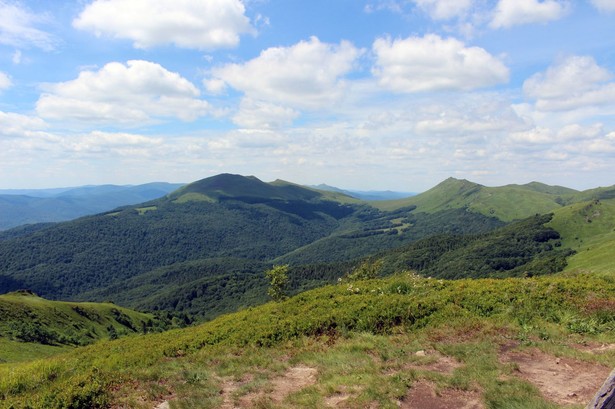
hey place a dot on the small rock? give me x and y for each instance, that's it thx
(572, 395)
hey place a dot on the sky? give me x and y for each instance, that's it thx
(358, 94)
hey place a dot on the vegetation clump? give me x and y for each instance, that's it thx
(278, 282)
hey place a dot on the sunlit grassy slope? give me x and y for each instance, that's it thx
(328, 328)
(32, 327)
(507, 203)
(589, 228)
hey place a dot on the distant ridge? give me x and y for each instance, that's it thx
(30, 206)
(367, 195)
(510, 202)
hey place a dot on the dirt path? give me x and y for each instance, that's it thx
(293, 380)
(423, 395)
(560, 380)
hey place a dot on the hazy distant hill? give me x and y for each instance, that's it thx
(367, 195)
(28, 206)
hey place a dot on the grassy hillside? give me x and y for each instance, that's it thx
(589, 229)
(382, 343)
(506, 203)
(31, 326)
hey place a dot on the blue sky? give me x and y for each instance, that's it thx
(361, 94)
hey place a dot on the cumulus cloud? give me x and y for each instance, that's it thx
(308, 74)
(17, 125)
(430, 63)
(444, 9)
(5, 81)
(255, 114)
(576, 82)
(604, 5)
(123, 95)
(196, 24)
(123, 144)
(18, 27)
(509, 13)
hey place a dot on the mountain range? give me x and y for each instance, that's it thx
(412, 312)
(203, 247)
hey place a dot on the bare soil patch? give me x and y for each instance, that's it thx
(435, 362)
(337, 400)
(423, 395)
(560, 380)
(293, 380)
(596, 348)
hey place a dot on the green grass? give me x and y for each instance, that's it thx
(15, 351)
(507, 203)
(143, 210)
(361, 337)
(32, 327)
(589, 229)
(193, 197)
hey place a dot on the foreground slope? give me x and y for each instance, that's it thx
(380, 343)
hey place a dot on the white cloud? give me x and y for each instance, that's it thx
(17, 125)
(510, 13)
(5, 81)
(444, 9)
(576, 82)
(255, 114)
(123, 144)
(197, 24)
(604, 5)
(429, 63)
(17, 27)
(308, 74)
(121, 94)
